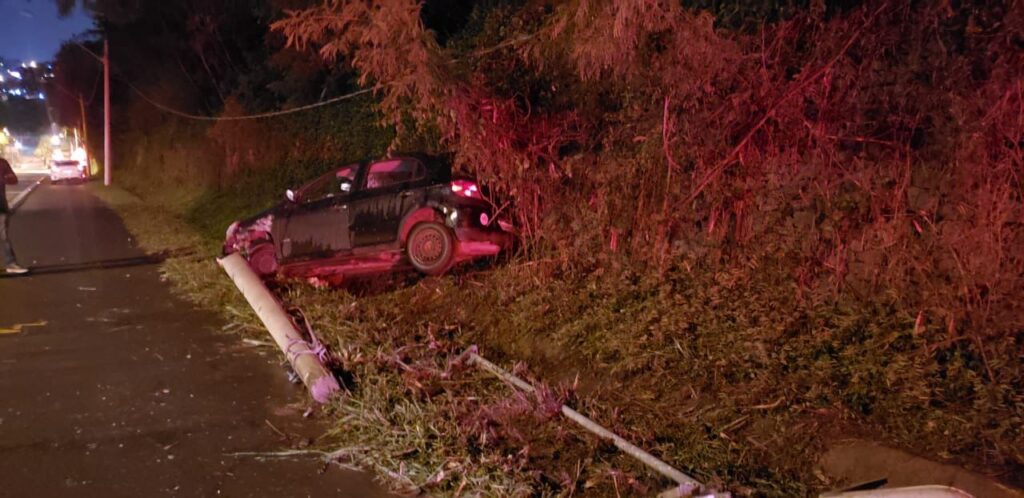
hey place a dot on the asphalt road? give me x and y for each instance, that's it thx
(25, 180)
(114, 387)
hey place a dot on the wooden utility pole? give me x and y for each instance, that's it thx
(85, 131)
(106, 112)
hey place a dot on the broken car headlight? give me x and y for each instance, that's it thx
(231, 230)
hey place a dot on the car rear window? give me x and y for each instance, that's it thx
(65, 164)
(394, 171)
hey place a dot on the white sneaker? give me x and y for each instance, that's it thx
(14, 269)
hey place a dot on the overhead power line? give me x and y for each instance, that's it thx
(89, 51)
(264, 115)
(95, 86)
(271, 114)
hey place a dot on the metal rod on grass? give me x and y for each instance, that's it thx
(630, 449)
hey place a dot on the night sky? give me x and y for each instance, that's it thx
(32, 30)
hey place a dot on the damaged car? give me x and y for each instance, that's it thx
(372, 217)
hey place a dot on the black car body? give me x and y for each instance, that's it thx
(372, 217)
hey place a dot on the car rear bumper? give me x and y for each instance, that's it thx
(67, 174)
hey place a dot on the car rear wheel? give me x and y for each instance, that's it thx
(263, 259)
(431, 248)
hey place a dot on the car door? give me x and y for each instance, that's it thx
(318, 221)
(390, 189)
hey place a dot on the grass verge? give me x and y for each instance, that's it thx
(735, 381)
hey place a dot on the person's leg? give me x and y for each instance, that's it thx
(5, 242)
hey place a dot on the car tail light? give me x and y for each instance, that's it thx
(484, 219)
(466, 188)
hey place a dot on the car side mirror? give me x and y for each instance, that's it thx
(290, 195)
(345, 186)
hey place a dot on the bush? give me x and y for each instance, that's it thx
(871, 153)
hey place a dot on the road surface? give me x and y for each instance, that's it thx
(114, 387)
(25, 180)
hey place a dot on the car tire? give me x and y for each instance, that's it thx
(430, 248)
(262, 259)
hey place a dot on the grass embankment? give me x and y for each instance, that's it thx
(732, 381)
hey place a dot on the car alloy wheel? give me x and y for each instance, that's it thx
(430, 248)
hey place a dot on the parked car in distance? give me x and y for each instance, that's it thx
(372, 217)
(66, 170)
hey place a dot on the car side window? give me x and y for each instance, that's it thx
(393, 172)
(337, 183)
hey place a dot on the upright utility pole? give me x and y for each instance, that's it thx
(106, 112)
(85, 135)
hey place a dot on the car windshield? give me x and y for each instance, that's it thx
(329, 185)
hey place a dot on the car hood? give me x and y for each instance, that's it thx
(271, 211)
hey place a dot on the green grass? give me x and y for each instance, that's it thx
(735, 381)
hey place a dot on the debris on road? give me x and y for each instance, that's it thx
(254, 342)
(20, 327)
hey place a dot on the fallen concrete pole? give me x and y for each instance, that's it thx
(691, 486)
(318, 379)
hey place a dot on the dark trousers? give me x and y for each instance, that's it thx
(5, 241)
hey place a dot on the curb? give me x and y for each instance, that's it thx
(20, 198)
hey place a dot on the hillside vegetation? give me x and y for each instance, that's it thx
(751, 228)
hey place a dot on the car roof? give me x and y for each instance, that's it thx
(427, 159)
(438, 166)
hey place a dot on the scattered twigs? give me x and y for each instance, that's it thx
(275, 429)
(326, 456)
(769, 406)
